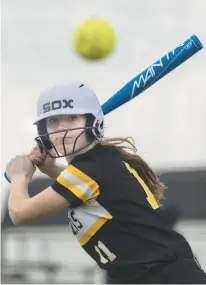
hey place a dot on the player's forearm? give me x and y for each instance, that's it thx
(54, 171)
(18, 197)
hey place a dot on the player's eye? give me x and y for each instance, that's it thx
(52, 120)
(72, 118)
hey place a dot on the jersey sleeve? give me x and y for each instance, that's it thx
(79, 182)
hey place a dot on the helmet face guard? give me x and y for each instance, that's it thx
(47, 147)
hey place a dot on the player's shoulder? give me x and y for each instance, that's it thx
(99, 151)
(104, 151)
(86, 165)
(90, 163)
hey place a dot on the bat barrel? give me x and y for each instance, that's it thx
(197, 42)
(153, 73)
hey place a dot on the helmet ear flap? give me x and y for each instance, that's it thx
(43, 140)
(92, 126)
(89, 125)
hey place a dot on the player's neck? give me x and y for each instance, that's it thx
(70, 157)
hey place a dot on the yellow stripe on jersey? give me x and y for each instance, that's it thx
(94, 228)
(86, 179)
(72, 187)
(80, 184)
(150, 197)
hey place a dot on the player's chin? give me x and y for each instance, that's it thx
(67, 149)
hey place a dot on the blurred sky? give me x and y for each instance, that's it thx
(167, 121)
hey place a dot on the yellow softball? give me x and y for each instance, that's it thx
(94, 38)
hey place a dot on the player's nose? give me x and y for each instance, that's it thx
(63, 125)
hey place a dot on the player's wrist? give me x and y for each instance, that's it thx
(19, 178)
(46, 166)
(53, 171)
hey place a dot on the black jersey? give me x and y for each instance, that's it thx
(114, 215)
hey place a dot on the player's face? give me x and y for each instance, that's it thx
(67, 132)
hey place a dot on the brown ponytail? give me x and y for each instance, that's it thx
(135, 161)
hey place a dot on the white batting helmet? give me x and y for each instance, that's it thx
(69, 99)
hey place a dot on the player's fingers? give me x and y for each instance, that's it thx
(35, 152)
(35, 159)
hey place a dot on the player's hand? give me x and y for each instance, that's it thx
(20, 166)
(43, 162)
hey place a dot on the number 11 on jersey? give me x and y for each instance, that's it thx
(100, 249)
